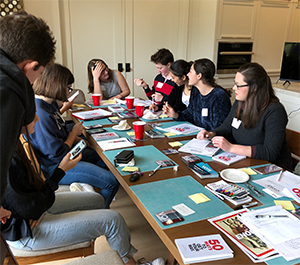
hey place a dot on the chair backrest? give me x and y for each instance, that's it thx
(293, 140)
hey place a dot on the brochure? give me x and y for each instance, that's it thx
(252, 245)
(203, 248)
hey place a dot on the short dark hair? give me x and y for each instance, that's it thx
(162, 56)
(26, 37)
(91, 63)
(53, 82)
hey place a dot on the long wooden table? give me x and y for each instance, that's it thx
(198, 228)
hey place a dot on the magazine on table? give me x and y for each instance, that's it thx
(246, 239)
(92, 114)
(203, 248)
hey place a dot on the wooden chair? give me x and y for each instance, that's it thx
(293, 140)
(77, 250)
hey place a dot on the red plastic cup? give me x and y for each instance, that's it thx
(96, 99)
(139, 128)
(139, 109)
(129, 102)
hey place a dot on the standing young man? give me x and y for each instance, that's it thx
(26, 46)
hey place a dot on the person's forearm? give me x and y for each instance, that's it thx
(97, 88)
(241, 150)
(71, 139)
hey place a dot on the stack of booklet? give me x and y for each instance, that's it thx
(184, 128)
(203, 170)
(255, 247)
(203, 248)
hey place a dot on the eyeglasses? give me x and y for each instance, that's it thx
(239, 86)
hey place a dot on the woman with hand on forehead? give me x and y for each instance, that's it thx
(102, 80)
(256, 124)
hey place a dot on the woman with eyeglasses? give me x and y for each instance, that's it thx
(52, 140)
(209, 103)
(102, 80)
(255, 126)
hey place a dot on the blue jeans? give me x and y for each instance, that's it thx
(90, 170)
(75, 217)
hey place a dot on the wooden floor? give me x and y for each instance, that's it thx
(142, 235)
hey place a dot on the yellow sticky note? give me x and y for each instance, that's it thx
(173, 144)
(130, 169)
(285, 205)
(130, 133)
(248, 170)
(79, 105)
(199, 198)
(114, 118)
(169, 134)
(111, 101)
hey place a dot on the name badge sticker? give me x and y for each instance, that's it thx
(236, 123)
(159, 85)
(204, 112)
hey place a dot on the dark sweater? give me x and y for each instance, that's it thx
(207, 111)
(24, 201)
(267, 139)
(175, 99)
(17, 109)
(163, 86)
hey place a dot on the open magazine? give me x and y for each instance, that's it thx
(252, 245)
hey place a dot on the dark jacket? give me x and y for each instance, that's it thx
(24, 201)
(17, 109)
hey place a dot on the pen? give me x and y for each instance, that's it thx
(153, 171)
(280, 174)
(118, 141)
(269, 216)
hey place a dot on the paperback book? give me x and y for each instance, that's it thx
(228, 158)
(203, 248)
(252, 245)
(203, 170)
